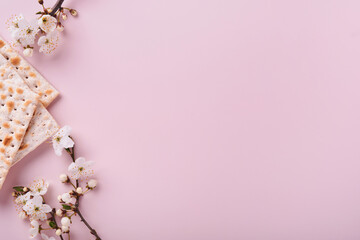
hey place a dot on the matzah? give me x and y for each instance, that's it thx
(41, 127)
(17, 106)
(33, 79)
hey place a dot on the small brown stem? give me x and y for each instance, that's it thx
(92, 231)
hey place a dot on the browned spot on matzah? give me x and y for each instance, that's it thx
(10, 105)
(15, 60)
(27, 103)
(11, 90)
(1, 85)
(7, 140)
(31, 74)
(22, 147)
(18, 136)
(6, 125)
(3, 96)
(19, 90)
(2, 43)
(2, 150)
(49, 91)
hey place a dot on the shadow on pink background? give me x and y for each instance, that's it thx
(208, 119)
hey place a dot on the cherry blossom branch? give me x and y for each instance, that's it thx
(71, 152)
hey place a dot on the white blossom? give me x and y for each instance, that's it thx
(36, 209)
(47, 23)
(66, 197)
(62, 140)
(59, 212)
(58, 232)
(13, 24)
(79, 190)
(63, 178)
(23, 199)
(92, 183)
(80, 168)
(39, 186)
(65, 221)
(28, 52)
(26, 32)
(65, 228)
(49, 42)
(34, 230)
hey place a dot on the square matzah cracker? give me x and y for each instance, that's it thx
(42, 125)
(17, 106)
(33, 79)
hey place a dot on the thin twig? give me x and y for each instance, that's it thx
(56, 7)
(71, 152)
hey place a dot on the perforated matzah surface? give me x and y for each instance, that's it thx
(33, 78)
(17, 106)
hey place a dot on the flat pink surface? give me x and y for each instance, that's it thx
(208, 119)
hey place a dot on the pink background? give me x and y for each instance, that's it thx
(208, 119)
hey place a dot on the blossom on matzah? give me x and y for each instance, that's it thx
(47, 23)
(62, 140)
(80, 168)
(49, 42)
(36, 209)
(35, 228)
(39, 186)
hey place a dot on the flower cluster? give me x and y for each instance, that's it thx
(30, 199)
(43, 29)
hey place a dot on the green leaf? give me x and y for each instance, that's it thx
(66, 207)
(39, 13)
(18, 188)
(52, 224)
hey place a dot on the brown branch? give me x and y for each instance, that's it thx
(71, 152)
(56, 7)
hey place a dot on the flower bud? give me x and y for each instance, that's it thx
(59, 198)
(73, 12)
(59, 212)
(66, 197)
(64, 178)
(28, 52)
(41, 2)
(58, 232)
(59, 27)
(65, 229)
(92, 184)
(64, 16)
(65, 221)
(25, 189)
(79, 190)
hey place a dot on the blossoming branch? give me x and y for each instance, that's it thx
(45, 28)
(31, 203)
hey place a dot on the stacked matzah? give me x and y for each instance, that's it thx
(25, 122)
